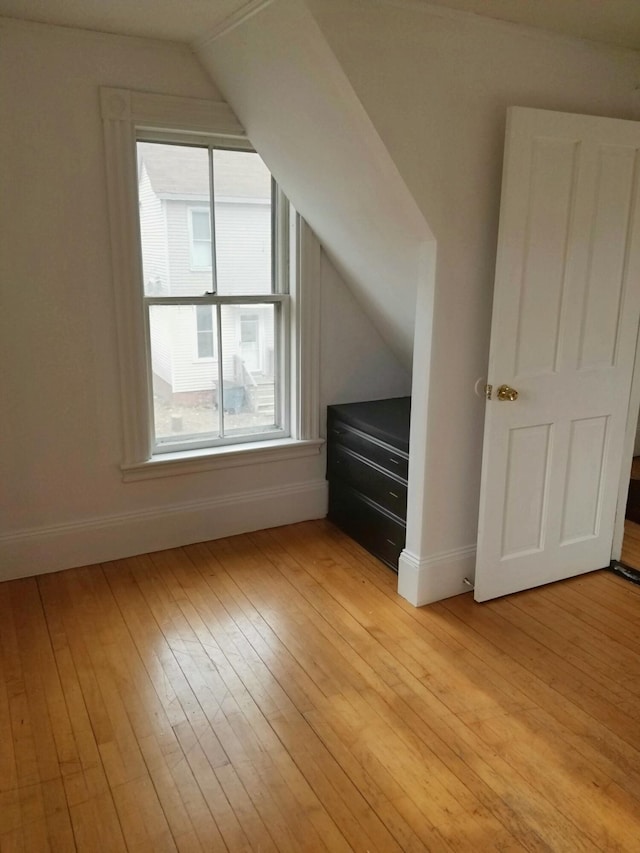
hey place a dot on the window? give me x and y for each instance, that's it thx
(200, 239)
(250, 341)
(205, 338)
(216, 292)
(236, 241)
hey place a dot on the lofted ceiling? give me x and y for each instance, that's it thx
(178, 20)
(614, 22)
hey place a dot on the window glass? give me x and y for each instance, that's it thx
(243, 223)
(175, 232)
(249, 369)
(199, 255)
(201, 225)
(185, 393)
(200, 239)
(205, 325)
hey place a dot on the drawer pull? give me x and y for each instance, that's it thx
(395, 461)
(337, 431)
(393, 495)
(391, 542)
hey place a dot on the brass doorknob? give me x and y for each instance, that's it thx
(506, 393)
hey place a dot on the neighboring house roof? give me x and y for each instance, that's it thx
(179, 171)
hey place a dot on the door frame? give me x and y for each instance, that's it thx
(627, 454)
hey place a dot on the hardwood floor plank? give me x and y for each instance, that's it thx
(214, 701)
(617, 596)
(359, 825)
(583, 731)
(282, 701)
(96, 825)
(577, 690)
(529, 743)
(246, 676)
(271, 692)
(605, 665)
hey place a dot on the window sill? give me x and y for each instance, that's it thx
(195, 461)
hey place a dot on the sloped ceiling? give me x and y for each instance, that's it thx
(345, 183)
(284, 83)
(615, 22)
(611, 21)
(178, 20)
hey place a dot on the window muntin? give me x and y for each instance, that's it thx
(235, 386)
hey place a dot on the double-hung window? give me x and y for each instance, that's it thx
(214, 245)
(216, 292)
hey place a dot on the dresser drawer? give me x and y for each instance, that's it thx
(371, 481)
(376, 451)
(378, 531)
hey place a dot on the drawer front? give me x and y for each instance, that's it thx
(382, 454)
(369, 480)
(374, 529)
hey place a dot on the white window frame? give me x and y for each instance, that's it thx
(126, 114)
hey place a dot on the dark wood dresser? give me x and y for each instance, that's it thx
(367, 468)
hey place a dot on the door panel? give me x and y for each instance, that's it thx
(604, 280)
(527, 461)
(546, 233)
(565, 321)
(585, 468)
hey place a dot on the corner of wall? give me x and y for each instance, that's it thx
(424, 581)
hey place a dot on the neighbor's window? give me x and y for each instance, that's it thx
(205, 335)
(215, 295)
(200, 239)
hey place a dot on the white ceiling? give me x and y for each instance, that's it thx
(179, 20)
(611, 21)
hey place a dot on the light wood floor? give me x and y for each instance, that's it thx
(271, 692)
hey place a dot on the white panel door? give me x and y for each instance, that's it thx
(565, 322)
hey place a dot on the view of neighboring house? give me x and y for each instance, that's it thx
(179, 258)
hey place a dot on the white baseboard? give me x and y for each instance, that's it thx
(96, 540)
(423, 581)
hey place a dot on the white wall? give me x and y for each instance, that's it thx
(356, 364)
(287, 88)
(436, 85)
(62, 499)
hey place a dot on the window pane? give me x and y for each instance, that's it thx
(200, 256)
(249, 369)
(204, 318)
(249, 325)
(242, 189)
(185, 404)
(172, 180)
(205, 324)
(201, 225)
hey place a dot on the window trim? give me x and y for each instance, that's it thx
(125, 115)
